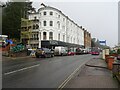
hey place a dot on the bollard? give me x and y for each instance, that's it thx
(106, 58)
(110, 62)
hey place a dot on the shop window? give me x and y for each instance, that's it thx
(63, 38)
(59, 37)
(50, 35)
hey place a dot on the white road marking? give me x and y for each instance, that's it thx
(21, 69)
(70, 77)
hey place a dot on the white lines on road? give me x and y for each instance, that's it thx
(70, 77)
(21, 69)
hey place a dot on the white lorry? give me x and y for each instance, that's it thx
(60, 50)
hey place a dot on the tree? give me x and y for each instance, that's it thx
(11, 17)
(93, 42)
(118, 51)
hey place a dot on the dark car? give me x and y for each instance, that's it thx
(44, 52)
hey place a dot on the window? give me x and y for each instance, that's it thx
(74, 40)
(44, 23)
(51, 23)
(58, 16)
(63, 19)
(58, 24)
(50, 35)
(40, 23)
(44, 35)
(39, 36)
(44, 13)
(59, 37)
(33, 26)
(63, 27)
(37, 26)
(36, 36)
(51, 13)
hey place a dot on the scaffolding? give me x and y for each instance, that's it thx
(26, 30)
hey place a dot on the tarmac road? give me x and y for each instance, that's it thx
(40, 72)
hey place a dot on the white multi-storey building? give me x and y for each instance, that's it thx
(57, 28)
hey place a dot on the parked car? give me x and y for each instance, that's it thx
(84, 51)
(79, 51)
(118, 57)
(89, 52)
(60, 51)
(71, 53)
(44, 52)
(95, 53)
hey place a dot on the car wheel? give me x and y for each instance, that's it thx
(37, 56)
(53, 55)
(45, 56)
(50, 55)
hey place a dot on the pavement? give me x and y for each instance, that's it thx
(93, 77)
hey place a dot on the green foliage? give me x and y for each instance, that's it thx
(113, 52)
(118, 51)
(11, 17)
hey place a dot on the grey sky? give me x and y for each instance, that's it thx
(99, 18)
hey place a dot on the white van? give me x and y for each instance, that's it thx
(60, 50)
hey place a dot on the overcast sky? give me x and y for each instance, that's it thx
(99, 17)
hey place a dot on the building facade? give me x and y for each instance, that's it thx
(87, 39)
(55, 29)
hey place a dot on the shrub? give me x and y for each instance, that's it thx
(118, 51)
(112, 52)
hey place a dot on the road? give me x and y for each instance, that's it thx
(40, 72)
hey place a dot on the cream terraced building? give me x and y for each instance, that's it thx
(56, 29)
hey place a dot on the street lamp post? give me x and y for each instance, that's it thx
(39, 39)
(39, 33)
